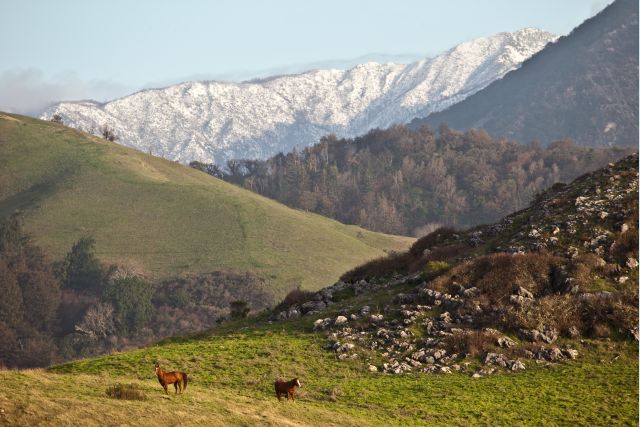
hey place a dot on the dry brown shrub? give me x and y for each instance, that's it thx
(294, 297)
(381, 267)
(472, 342)
(558, 311)
(430, 240)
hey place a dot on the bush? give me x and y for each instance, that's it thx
(435, 268)
(125, 392)
(381, 267)
(473, 343)
(239, 309)
(295, 297)
(430, 240)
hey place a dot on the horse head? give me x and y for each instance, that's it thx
(297, 382)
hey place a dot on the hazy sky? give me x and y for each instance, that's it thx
(65, 49)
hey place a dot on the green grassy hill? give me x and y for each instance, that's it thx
(232, 373)
(162, 217)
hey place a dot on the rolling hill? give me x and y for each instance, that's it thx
(164, 218)
(585, 372)
(584, 87)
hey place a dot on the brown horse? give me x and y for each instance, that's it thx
(178, 379)
(288, 388)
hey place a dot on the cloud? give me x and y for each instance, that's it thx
(29, 91)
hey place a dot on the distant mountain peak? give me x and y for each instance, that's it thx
(215, 121)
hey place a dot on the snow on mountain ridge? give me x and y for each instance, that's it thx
(216, 121)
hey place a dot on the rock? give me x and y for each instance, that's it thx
(312, 306)
(495, 359)
(555, 230)
(624, 228)
(519, 300)
(623, 279)
(439, 354)
(632, 262)
(353, 317)
(553, 354)
(364, 311)
(293, 314)
(476, 375)
(570, 353)
(445, 317)
(318, 324)
(372, 368)
(282, 315)
(573, 332)
(471, 292)
(444, 370)
(516, 365)
(549, 335)
(523, 292)
(603, 214)
(344, 348)
(377, 317)
(340, 320)
(505, 342)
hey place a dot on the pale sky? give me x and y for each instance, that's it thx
(75, 49)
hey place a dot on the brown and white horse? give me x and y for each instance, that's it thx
(288, 388)
(178, 379)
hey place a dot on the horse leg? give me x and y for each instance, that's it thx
(175, 385)
(279, 397)
(166, 391)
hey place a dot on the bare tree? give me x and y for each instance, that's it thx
(98, 322)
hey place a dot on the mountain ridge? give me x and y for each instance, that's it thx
(584, 87)
(215, 121)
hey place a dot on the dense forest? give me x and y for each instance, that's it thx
(77, 307)
(406, 181)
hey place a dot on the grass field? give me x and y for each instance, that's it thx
(231, 375)
(162, 217)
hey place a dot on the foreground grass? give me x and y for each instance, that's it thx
(164, 218)
(231, 376)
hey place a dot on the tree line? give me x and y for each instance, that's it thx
(411, 182)
(51, 311)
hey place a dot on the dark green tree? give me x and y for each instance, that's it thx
(80, 269)
(131, 297)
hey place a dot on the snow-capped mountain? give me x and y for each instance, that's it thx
(216, 121)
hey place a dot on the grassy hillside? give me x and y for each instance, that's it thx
(232, 374)
(162, 217)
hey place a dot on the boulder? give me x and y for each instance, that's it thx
(312, 306)
(516, 365)
(372, 368)
(340, 320)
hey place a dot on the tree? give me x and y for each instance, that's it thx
(108, 133)
(80, 269)
(131, 297)
(239, 309)
(57, 118)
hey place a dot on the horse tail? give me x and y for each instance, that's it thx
(184, 381)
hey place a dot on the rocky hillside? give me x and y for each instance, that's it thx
(216, 121)
(523, 291)
(584, 86)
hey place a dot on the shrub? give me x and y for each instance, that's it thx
(125, 392)
(435, 268)
(473, 343)
(430, 240)
(381, 267)
(239, 309)
(294, 297)
(343, 294)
